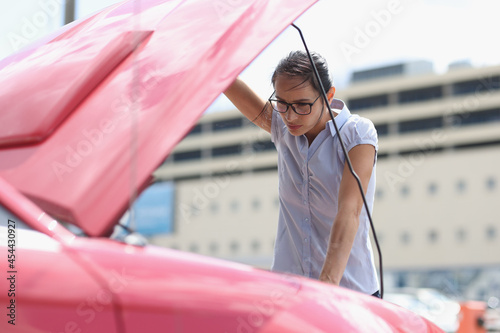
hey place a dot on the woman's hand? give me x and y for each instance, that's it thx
(325, 277)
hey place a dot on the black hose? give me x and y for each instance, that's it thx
(348, 160)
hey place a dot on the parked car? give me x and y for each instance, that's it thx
(492, 316)
(87, 115)
(430, 304)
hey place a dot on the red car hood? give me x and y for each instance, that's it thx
(156, 281)
(87, 117)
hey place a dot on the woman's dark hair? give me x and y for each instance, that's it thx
(297, 65)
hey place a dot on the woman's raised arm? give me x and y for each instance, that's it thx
(250, 104)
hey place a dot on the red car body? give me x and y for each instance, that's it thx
(65, 283)
(87, 115)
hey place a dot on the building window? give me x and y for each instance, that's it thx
(418, 154)
(461, 234)
(194, 248)
(225, 174)
(256, 204)
(419, 95)
(195, 130)
(461, 186)
(256, 246)
(491, 232)
(227, 124)
(188, 177)
(187, 155)
(382, 156)
(235, 206)
(213, 247)
(266, 169)
(491, 183)
(476, 86)
(382, 129)
(226, 151)
(368, 102)
(405, 191)
(479, 117)
(494, 143)
(432, 188)
(420, 124)
(195, 210)
(433, 236)
(263, 146)
(234, 246)
(214, 207)
(405, 238)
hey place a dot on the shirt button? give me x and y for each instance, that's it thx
(305, 240)
(305, 202)
(306, 219)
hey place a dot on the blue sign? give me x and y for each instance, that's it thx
(154, 210)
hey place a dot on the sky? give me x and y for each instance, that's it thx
(351, 35)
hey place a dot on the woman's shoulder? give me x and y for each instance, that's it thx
(359, 130)
(359, 124)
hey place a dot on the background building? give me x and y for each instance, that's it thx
(437, 179)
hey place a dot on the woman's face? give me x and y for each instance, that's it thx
(290, 90)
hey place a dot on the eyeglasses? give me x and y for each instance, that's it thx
(298, 108)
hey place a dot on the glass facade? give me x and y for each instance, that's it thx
(420, 95)
(357, 104)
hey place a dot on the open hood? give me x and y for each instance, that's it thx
(87, 117)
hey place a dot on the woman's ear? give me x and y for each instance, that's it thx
(330, 94)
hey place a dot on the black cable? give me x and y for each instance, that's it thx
(348, 160)
(126, 228)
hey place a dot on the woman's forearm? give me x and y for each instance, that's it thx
(341, 239)
(250, 104)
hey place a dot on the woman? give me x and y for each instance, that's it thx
(323, 229)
